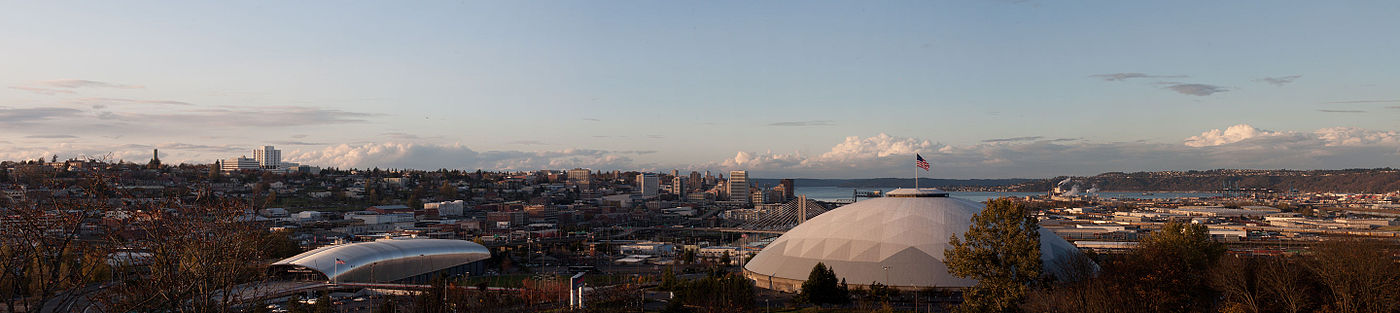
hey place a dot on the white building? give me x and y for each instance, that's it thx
(371, 218)
(447, 208)
(308, 216)
(678, 186)
(268, 158)
(648, 184)
(738, 185)
(239, 163)
(897, 240)
(648, 248)
(580, 177)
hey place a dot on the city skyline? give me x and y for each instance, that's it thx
(993, 89)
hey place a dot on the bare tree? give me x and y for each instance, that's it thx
(1360, 275)
(201, 257)
(1237, 278)
(1285, 283)
(45, 249)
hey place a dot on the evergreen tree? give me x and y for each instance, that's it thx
(1001, 250)
(822, 287)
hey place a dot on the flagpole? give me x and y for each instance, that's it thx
(916, 174)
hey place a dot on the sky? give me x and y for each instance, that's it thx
(811, 89)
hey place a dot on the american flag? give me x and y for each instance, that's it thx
(919, 161)
(339, 261)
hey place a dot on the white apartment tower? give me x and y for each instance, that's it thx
(739, 185)
(267, 157)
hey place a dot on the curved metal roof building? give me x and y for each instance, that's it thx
(897, 240)
(384, 260)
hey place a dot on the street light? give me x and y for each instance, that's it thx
(887, 276)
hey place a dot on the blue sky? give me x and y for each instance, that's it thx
(791, 89)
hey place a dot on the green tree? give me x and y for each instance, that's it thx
(447, 192)
(1001, 250)
(279, 245)
(323, 304)
(1171, 268)
(822, 287)
(717, 292)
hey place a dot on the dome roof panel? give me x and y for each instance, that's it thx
(906, 233)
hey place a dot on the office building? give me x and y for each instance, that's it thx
(789, 190)
(267, 157)
(581, 178)
(239, 164)
(738, 185)
(678, 186)
(648, 184)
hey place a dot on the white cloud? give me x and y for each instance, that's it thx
(1237, 133)
(1239, 146)
(882, 155)
(458, 156)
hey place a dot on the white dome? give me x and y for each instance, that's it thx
(906, 232)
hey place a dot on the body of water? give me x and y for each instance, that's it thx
(833, 193)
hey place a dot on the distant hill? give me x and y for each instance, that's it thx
(1379, 180)
(893, 182)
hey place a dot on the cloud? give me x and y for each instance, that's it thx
(1014, 139)
(43, 91)
(79, 83)
(1279, 81)
(591, 119)
(805, 123)
(854, 151)
(527, 143)
(1340, 111)
(1365, 101)
(51, 136)
(275, 116)
(1326, 137)
(298, 143)
(1239, 146)
(109, 101)
(1114, 77)
(1233, 134)
(1194, 89)
(27, 115)
(458, 156)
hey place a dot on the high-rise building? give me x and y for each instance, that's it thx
(678, 186)
(648, 183)
(695, 182)
(581, 177)
(739, 185)
(267, 157)
(789, 190)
